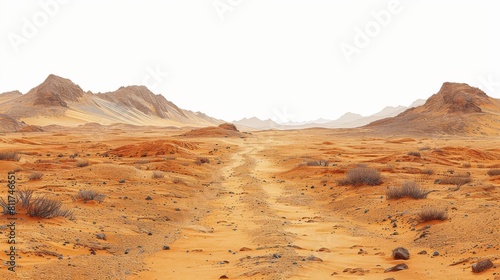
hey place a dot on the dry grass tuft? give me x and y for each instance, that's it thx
(408, 189)
(9, 156)
(432, 213)
(35, 176)
(494, 172)
(427, 171)
(361, 175)
(415, 154)
(89, 195)
(200, 161)
(457, 179)
(317, 163)
(82, 163)
(158, 175)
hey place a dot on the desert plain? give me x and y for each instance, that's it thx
(222, 204)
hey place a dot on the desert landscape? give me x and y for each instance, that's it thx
(141, 189)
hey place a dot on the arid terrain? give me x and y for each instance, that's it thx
(415, 196)
(251, 206)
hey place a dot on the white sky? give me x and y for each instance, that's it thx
(279, 59)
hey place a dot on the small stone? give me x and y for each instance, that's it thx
(400, 253)
(242, 249)
(435, 254)
(482, 266)
(223, 277)
(101, 236)
(276, 256)
(166, 247)
(60, 257)
(424, 252)
(314, 259)
(401, 266)
(148, 198)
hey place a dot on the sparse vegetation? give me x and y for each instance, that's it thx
(408, 189)
(89, 195)
(158, 175)
(427, 171)
(317, 163)
(466, 164)
(82, 163)
(424, 149)
(494, 172)
(361, 175)
(9, 155)
(414, 154)
(202, 161)
(43, 207)
(457, 179)
(432, 213)
(37, 206)
(35, 176)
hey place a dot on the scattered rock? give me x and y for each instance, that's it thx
(424, 252)
(223, 262)
(243, 249)
(276, 256)
(400, 253)
(101, 236)
(148, 198)
(482, 266)
(401, 266)
(223, 277)
(358, 271)
(314, 259)
(325, 250)
(166, 247)
(435, 254)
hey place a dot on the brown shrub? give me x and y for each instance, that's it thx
(35, 176)
(9, 155)
(82, 163)
(494, 172)
(43, 207)
(457, 179)
(432, 213)
(408, 189)
(361, 176)
(88, 195)
(415, 154)
(202, 161)
(317, 163)
(158, 175)
(427, 171)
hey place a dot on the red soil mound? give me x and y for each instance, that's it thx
(223, 130)
(154, 148)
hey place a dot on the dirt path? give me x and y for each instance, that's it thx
(257, 229)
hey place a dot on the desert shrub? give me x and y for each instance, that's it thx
(9, 155)
(24, 197)
(408, 189)
(466, 164)
(177, 181)
(35, 176)
(415, 154)
(432, 213)
(202, 160)
(317, 163)
(494, 172)
(457, 179)
(82, 163)
(427, 171)
(361, 175)
(43, 207)
(143, 161)
(158, 175)
(424, 149)
(88, 195)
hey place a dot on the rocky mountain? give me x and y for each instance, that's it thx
(456, 109)
(59, 101)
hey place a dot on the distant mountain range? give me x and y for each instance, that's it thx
(59, 101)
(348, 120)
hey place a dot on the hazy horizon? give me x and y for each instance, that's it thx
(294, 61)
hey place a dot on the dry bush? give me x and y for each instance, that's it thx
(361, 175)
(24, 197)
(202, 161)
(408, 189)
(494, 172)
(9, 156)
(425, 149)
(158, 175)
(432, 213)
(427, 171)
(317, 163)
(457, 179)
(466, 164)
(43, 207)
(143, 161)
(88, 195)
(178, 181)
(82, 163)
(35, 176)
(415, 154)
